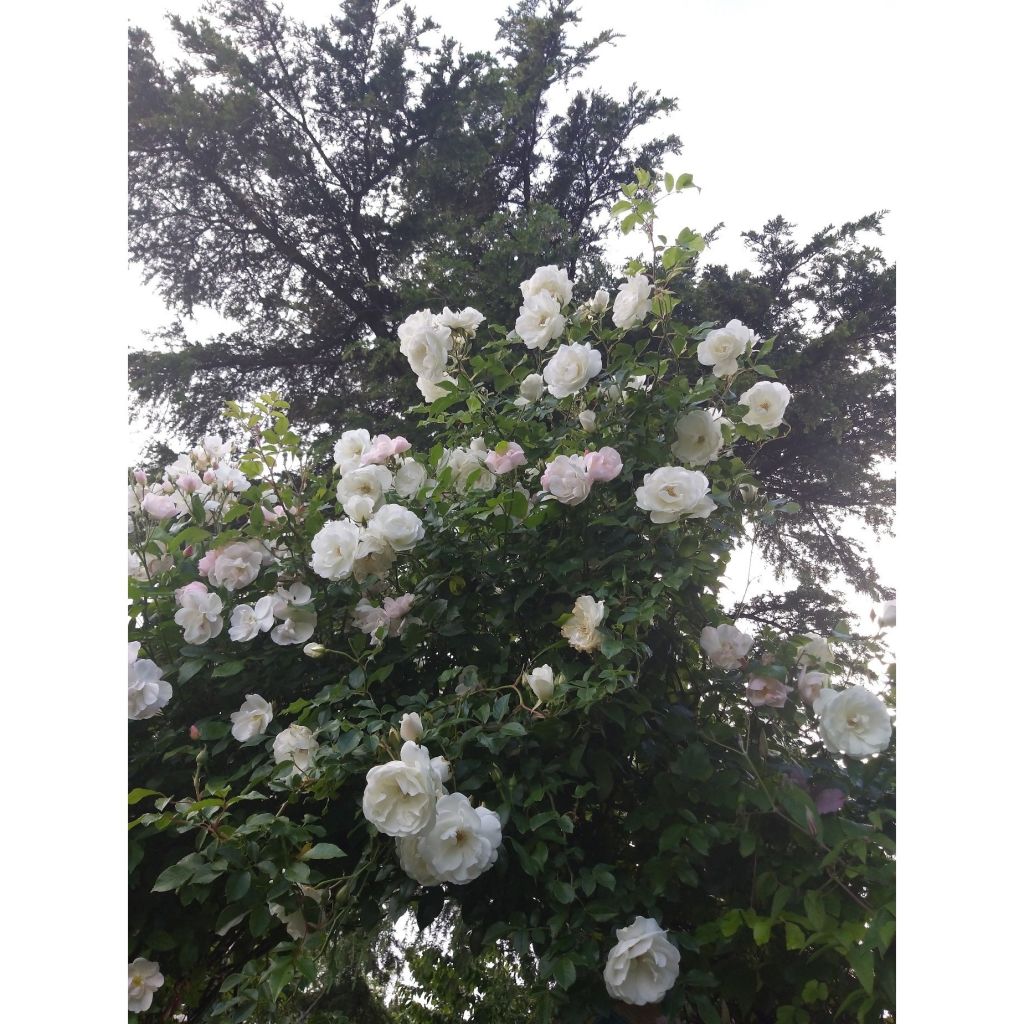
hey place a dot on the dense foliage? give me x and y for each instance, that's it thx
(531, 598)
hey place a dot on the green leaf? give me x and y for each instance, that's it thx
(562, 891)
(564, 972)
(324, 851)
(349, 741)
(238, 885)
(762, 930)
(172, 878)
(795, 938)
(135, 795)
(862, 960)
(188, 670)
(227, 668)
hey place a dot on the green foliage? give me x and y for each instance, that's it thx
(646, 786)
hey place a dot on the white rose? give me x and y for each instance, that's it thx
(160, 506)
(542, 681)
(462, 842)
(672, 492)
(400, 796)
(599, 303)
(359, 508)
(298, 745)
(643, 965)
(248, 622)
(540, 321)
(531, 390)
(429, 389)
(237, 564)
(252, 718)
(397, 526)
(581, 629)
(413, 863)
(368, 619)
(853, 721)
(230, 478)
(633, 302)
(722, 348)
(296, 627)
(372, 482)
(698, 438)
(409, 478)
(767, 401)
(465, 462)
(817, 649)
(411, 728)
(348, 452)
(725, 645)
(466, 320)
(888, 614)
(552, 280)
(144, 978)
(426, 344)
(314, 650)
(566, 479)
(198, 613)
(334, 549)
(148, 692)
(373, 557)
(571, 368)
(588, 420)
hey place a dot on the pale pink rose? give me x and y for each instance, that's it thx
(272, 516)
(396, 607)
(189, 483)
(140, 477)
(603, 465)
(810, 683)
(383, 448)
(828, 801)
(763, 690)
(195, 587)
(206, 563)
(159, 506)
(210, 477)
(503, 462)
(566, 479)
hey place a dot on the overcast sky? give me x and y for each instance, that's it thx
(785, 107)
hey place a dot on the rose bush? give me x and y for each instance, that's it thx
(624, 793)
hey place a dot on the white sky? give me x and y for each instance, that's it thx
(784, 108)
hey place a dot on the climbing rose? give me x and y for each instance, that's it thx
(466, 320)
(334, 549)
(766, 401)
(384, 448)
(144, 978)
(298, 745)
(599, 303)
(588, 420)
(540, 321)
(429, 388)
(551, 279)
(348, 452)
(148, 692)
(643, 965)
(810, 685)
(725, 645)
(462, 843)
(571, 368)
(252, 718)
(409, 478)
(542, 681)
(582, 628)
(816, 649)
(530, 390)
(159, 506)
(764, 690)
(411, 728)
(506, 460)
(235, 565)
(672, 492)
(722, 348)
(698, 438)
(426, 344)
(603, 465)
(633, 302)
(853, 721)
(566, 479)
(198, 613)
(397, 526)
(248, 622)
(399, 796)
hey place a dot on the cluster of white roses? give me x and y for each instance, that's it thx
(204, 473)
(369, 540)
(427, 341)
(851, 721)
(439, 835)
